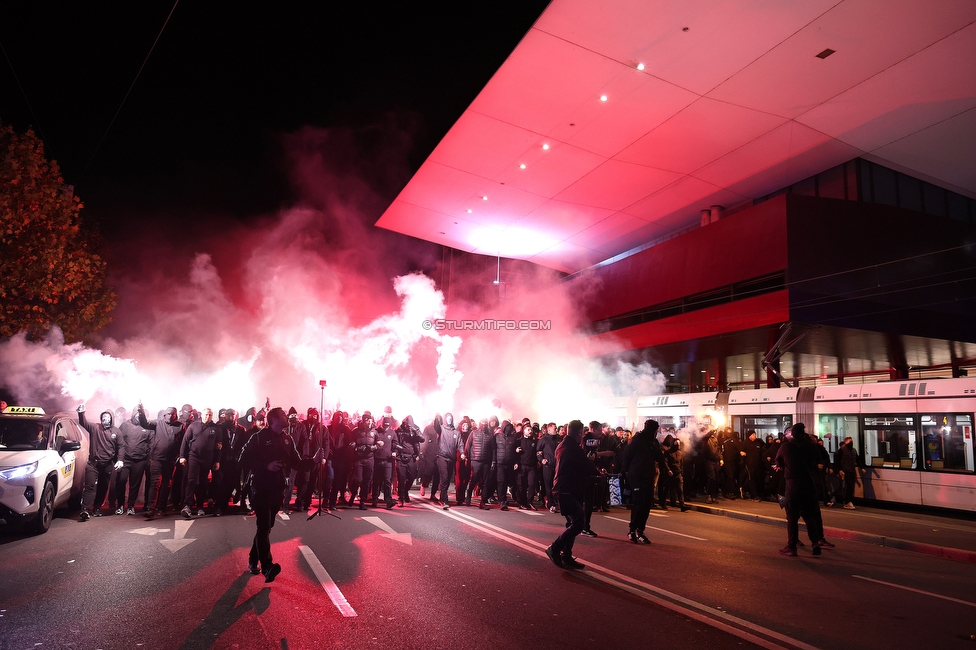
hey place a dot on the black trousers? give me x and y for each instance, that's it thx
(526, 484)
(197, 483)
(320, 477)
(383, 479)
(479, 478)
(802, 504)
(340, 481)
(160, 479)
(406, 475)
(445, 468)
(462, 476)
(266, 507)
(639, 512)
(98, 477)
(179, 480)
(573, 509)
(131, 473)
(362, 474)
(548, 474)
(501, 483)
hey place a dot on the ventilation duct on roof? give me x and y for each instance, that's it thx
(716, 213)
(706, 217)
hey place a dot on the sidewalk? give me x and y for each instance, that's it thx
(931, 534)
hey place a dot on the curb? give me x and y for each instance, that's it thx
(947, 552)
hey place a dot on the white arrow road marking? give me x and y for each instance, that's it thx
(179, 533)
(403, 538)
(328, 584)
(150, 531)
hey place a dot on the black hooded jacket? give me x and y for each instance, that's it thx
(167, 434)
(449, 440)
(504, 449)
(136, 440)
(104, 440)
(480, 445)
(201, 440)
(410, 439)
(641, 456)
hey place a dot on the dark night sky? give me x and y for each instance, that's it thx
(201, 132)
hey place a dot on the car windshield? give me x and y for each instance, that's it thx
(23, 433)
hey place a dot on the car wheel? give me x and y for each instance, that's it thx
(45, 510)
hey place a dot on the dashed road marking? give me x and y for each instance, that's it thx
(917, 591)
(328, 584)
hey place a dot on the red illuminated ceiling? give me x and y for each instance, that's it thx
(732, 102)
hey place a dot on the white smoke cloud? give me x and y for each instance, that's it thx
(312, 294)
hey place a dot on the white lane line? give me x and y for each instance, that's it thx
(531, 512)
(656, 514)
(328, 584)
(663, 530)
(917, 591)
(685, 606)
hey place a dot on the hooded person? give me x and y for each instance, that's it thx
(797, 458)
(343, 457)
(573, 471)
(365, 444)
(546, 451)
(227, 481)
(407, 457)
(384, 457)
(671, 479)
(462, 469)
(479, 451)
(167, 436)
(448, 447)
(643, 455)
(103, 455)
(265, 456)
(314, 448)
(134, 448)
(429, 475)
(505, 440)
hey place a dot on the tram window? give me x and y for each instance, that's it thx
(889, 441)
(947, 441)
(834, 428)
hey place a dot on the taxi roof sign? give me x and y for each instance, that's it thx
(23, 410)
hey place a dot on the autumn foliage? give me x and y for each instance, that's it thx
(50, 273)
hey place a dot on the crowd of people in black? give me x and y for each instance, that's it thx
(193, 463)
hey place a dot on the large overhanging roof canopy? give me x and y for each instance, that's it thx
(614, 123)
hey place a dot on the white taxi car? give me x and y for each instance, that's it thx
(42, 464)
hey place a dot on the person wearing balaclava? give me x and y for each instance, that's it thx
(228, 485)
(525, 468)
(407, 458)
(343, 457)
(429, 475)
(166, 440)
(103, 455)
(479, 450)
(573, 473)
(448, 447)
(462, 469)
(314, 472)
(135, 445)
(384, 457)
(797, 458)
(365, 445)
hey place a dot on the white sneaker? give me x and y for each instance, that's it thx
(201, 513)
(120, 511)
(848, 506)
(130, 511)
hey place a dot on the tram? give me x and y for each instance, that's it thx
(914, 437)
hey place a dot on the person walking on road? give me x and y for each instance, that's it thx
(573, 469)
(848, 467)
(266, 455)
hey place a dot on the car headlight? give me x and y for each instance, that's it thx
(12, 473)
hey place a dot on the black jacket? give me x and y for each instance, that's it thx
(201, 440)
(480, 446)
(641, 456)
(261, 449)
(167, 434)
(136, 440)
(573, 469)
(105, 441)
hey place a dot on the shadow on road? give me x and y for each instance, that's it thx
(224, 614)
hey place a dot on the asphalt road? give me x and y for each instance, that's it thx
(421, 577)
